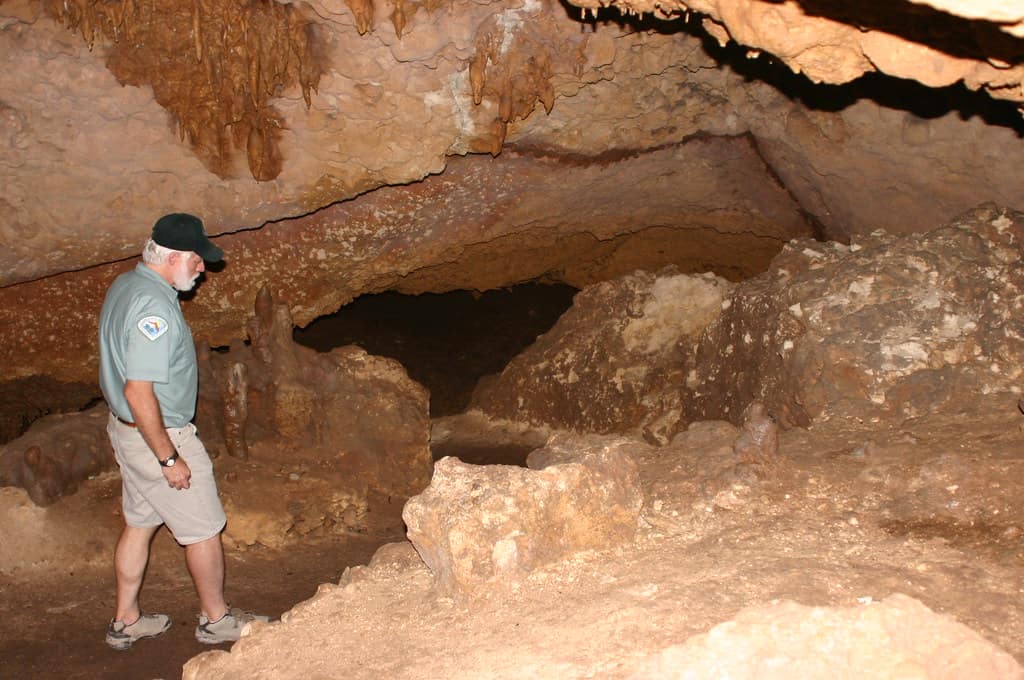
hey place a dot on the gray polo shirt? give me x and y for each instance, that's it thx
(144, 336)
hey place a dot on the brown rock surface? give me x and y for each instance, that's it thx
(737, 573)
(854, 510)
(617, 361)
(896, 638)
(486, 527)
(832, 42)
(341, 436)
(345, 425)
(58, 454)
(887, 326)
(390, 110)
(480, 225)
(624, 144)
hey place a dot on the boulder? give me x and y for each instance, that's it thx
(484, 526)
(884, 326)
(898, 637)
(900, 326)
(616, 362)
(56, 454)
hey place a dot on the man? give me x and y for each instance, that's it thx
(149, 377)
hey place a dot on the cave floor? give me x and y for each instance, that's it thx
(850, 514)
(54, 623)
(53, 619)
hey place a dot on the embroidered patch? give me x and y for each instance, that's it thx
(153, 327)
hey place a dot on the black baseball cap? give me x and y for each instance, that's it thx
(181, 231)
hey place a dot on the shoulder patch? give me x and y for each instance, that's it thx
(153, 327)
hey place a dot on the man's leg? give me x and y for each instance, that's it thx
(130, 559)
(206, 564)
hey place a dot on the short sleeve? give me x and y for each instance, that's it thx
(150, 341)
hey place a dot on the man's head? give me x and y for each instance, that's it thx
(184, 232)
(178, 250)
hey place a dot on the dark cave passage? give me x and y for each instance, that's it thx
(446, 341)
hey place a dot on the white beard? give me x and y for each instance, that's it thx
(182, 282)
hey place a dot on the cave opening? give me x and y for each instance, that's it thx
(446, 341)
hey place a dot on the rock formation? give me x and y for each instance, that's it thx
(717, 157)
(898, 637)
(901, 558)
(488, 527)
(617, 361)
(345, 424)
(58, 454)
(789, 160)
(886, 326)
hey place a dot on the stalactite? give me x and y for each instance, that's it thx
(362, 10)
(516, 73)
(218, 85)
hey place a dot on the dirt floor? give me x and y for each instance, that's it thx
(850, 514)
(55, 606)
(53, 621)
(56, 580)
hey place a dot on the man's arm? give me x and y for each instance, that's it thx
(150, 422)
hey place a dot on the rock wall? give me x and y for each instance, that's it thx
(832, 42)
(619, 120)
(885, 327)
(306, 443)
(709, 204)
(387, 111)
(360, 411)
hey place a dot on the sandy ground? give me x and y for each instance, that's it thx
(850, 514)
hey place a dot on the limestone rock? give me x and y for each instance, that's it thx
(360, 411)
(480, 225)
(389, 559)
(489, 526)
(758, 441)
(888, 325)
(56, 454)
(901, 326)
(839, 46)
(461, 78)
(898, 637)
(615, 362)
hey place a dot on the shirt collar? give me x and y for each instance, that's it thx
(145, 271)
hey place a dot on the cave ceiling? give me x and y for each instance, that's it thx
(338, 148)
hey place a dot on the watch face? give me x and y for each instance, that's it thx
(169, 462)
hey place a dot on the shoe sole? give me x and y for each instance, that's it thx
(121, 644)
(213, 639)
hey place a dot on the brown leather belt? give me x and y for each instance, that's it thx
(122, 420)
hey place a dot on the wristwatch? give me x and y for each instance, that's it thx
(169, 461)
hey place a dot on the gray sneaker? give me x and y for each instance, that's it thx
(227, 628)
(120, 636)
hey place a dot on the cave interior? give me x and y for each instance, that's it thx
(740, 277)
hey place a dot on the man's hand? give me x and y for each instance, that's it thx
(178, 475)
(146, 412)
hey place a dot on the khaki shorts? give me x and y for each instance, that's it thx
(193, 514)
